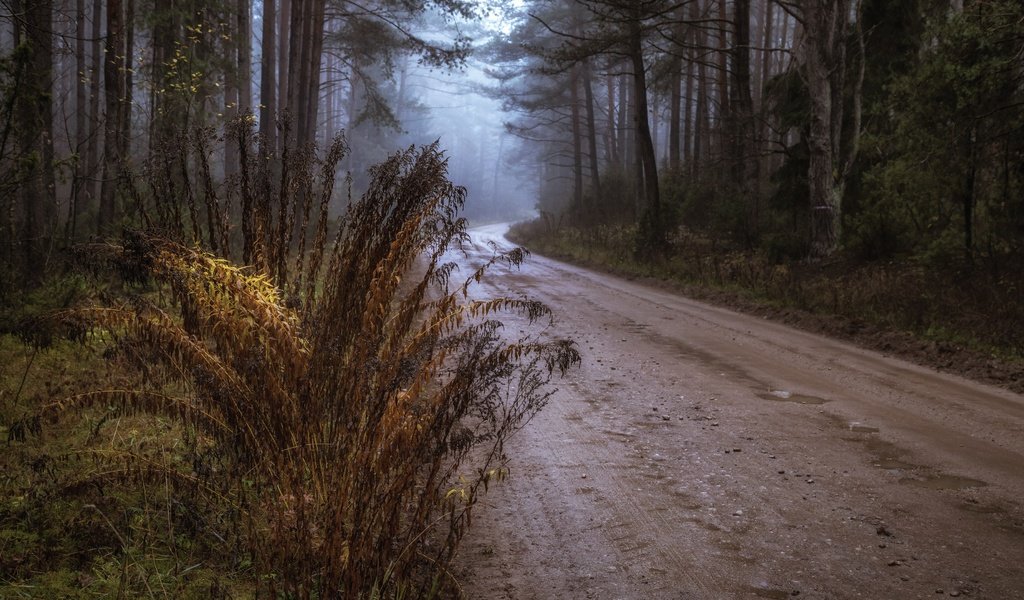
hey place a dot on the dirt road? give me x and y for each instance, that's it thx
(701, 453)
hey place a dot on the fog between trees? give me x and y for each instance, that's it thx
(884, 129)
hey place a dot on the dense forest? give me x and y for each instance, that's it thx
(852, 157)
(879, 127)
(244, 211)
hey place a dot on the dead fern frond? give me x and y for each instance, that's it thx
(338, 406)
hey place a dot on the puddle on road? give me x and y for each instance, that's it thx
(982, 509)
(634, 327)
(886, 456)
(861, 428)
(944, 482)
(784, 396)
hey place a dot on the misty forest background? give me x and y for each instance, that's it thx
(224, 199)
(875, 132)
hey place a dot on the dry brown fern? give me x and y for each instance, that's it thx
(354, 412)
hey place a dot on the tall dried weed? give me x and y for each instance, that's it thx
(343, 402)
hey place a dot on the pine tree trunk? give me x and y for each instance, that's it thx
(113, 88)
(745, 162)
(702, 119)
(577, 142)
(612, 135)
(675, 116)
(81, 131)
(268, 87)
(588, 91)
(314, 58)
(232, 80)
(832, 147)
(284, 49)
(127, 99)
(625, 131)
(722, 81)
(646, 158)
(95, 118)
(244, 56)
(33, 109)
(688, 119)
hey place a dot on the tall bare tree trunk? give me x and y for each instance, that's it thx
(113, 84)
(588, 92)
(81, 127)
(92, 186)
(287, 47)
(577, 142)
(127, 100)
(831, 156)
(612, 135)
(722, 80)
(625, 131)
(766, 63)
(702, 118)
(316, 22)
(745, 161)
(786, 43)
(298, 67)
(268, 87)
(687, 122)
(34, 111)
(231, 83)
(244, 56)
(646, 157)
(675, 115)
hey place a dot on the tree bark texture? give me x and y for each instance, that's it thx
(832, 150)
(577, 142)
(33, 109)
(268, 87)
(81, 127)
(588, 94)
(644, 143)
(113, 88)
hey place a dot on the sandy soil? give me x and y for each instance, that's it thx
(702, 453)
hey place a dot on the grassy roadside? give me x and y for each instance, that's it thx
(958, 321)
(97, 543)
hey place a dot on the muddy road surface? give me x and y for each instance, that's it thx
(701, 453)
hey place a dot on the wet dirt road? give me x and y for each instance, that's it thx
(701, 453)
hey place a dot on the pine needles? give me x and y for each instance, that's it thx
(344, 402)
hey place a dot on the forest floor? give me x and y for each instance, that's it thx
(701, 452)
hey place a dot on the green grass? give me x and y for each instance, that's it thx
(100, 543)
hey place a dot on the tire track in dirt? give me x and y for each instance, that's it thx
(699, 453)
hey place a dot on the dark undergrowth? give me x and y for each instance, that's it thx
(957, 317)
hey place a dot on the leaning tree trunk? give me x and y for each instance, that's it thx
(644, 143)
